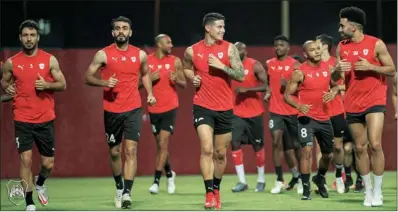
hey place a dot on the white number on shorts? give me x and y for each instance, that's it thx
(271, 124)
(110, 139)
(303, 133)
(17, 141)
(153, 128)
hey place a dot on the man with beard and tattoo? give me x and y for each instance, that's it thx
(210, 65)
(31, 77)
(166, 71)
(365, 62)
(248, 121)
(121, 67)
(312, 81)
(283, 118)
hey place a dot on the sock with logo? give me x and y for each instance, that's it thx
(158, 174)
(118, 182)
(128, 184)
(208, 186)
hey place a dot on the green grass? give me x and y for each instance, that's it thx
(98, 194)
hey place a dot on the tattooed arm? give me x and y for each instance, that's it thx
(236, 71)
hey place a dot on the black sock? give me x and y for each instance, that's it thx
(167, 169)
(278, 171)
(128, 184)
(347, 170)
(29, 198)
(306, 181)
(209, 186)
(359, 178)
(158, 174)
(322, 172)
(40, 180)
(339, 169)
(216, 183)
(118, 182)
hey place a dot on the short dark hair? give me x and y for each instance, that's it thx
(354, 14)
(122, 19)
(31, 24)
(211, 17)
(298, 58)
(326, 39)
(282, 38)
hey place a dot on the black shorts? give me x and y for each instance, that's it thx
(339, 125)
(347, 137)
(287, 123)
(323, 131)
(42, 134)
(361, 117)
(163, 121)
(127, 124)
(248, 130)
(220, 121)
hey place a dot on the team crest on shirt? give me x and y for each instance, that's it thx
(167, 66)
(220, 55)
(159, 66)
(151, 66)
(41, 66)
(325, 73)
(133, 59)
(287, 68)
(365, 51)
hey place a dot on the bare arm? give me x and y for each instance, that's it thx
(60, 82)
(291, 88)
(146, 79)
(236, 71)
(394, 93)
(388, 67)
(188, 64)
(336, 75)
(261, 75)
(180, 77)
(98, 62)
(7, 78)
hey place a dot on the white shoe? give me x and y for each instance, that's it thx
(42, 193)
(368, 198)
(31, 208)
(377, 199)
(340, 187)
(118, 198)
(171, 187)
(126, 201)
(300, 189)
(279, 186)
(154, 189)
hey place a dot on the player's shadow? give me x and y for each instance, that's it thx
(187, 194)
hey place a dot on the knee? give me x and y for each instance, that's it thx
(277, 142)
(338, 147)
(207, 151)
(220, 154)
(327, 156)
(130, 151)
(306, 153)
(361, 147)
(348, 149)
(48, 163)
(376, 146)
(115, 152)
(26, 160)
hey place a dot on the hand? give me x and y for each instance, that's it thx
(112, 81)
(10, 90)
(151, 100)
(240, 90)
(329, 96)
(343, 66)
(155, 75)
(41, 84)
(173, 76)
(304, 108)
(215, 62)
(267, 96)
(363, 65)
(196, 81)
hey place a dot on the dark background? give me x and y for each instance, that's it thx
(86, 24)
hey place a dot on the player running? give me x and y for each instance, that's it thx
(248, 121)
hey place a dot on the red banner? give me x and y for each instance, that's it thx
(80, 146)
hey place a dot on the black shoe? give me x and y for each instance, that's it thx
(306, 194)
(292, 183)
(358, 186)
(320, 183)
(348, 183)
